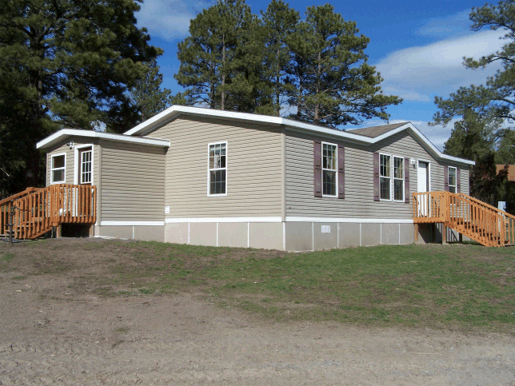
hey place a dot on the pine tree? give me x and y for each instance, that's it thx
(65, 63)
(148, 95)
(472, 138)
(211, 56)
(279, 22)
(334, 84)
(495, 99)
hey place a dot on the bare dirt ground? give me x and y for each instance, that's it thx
(54, 331)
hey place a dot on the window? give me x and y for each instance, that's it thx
(58, 166)
(452, 179)
(329, 169)
(86, 162)
(384, 177)
(217, 169)
(398, 179)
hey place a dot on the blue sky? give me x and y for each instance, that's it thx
(417, 46)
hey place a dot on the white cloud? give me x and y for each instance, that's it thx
(446, 27)
(168, 19)
(419, 73)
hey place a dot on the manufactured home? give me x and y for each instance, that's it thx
(208, 177)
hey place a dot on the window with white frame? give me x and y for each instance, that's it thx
(329, 169)
(217, 172)
(58, 168)
(86, 163)
(452, 179)
(385, 179)
(398, 179)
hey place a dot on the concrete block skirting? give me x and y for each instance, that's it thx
(289, 235)
(136, 232)
(268, 235)
(309, 236)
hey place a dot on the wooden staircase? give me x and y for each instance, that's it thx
(35, 211)
(473, 218)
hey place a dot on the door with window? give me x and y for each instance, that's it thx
(423, 186)
(85, 176)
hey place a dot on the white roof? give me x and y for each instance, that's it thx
(174, 111)
(65, 133)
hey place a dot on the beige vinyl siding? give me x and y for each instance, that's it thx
(70, 159)
(359, 185)
(132, 182)
(254, 169)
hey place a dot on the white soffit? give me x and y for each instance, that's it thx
(66, 133)
(172, 112)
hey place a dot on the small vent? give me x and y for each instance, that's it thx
(326, 228)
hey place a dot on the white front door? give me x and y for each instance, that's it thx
(422, 173)
(423, 186)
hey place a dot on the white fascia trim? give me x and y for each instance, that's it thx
(132, 223)
(168, 114)
(349, 220)
(223, 219)
(61, 134)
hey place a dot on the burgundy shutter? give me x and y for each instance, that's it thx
(376, 176)
(446, 178)
(406, 180)
(458, 182)
(317, 166)
(341, 171)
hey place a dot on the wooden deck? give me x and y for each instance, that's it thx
(473, 218)
(35, 211)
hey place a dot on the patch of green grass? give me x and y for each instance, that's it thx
(122, 330)
(7, 257)
(416, 285)
(19, 277)
(424, 285)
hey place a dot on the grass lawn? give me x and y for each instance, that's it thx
(463, 286)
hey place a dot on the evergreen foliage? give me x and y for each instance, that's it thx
(212, 54)
(495, 99)
(234, 61)
(483, 109)
(279, 23)
(334, 84)
(148, 95)
(64, 63)
(474, 138)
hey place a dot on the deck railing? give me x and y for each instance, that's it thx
(36, 210)
(469, 216)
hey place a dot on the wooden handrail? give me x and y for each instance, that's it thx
(17, 195)
(35, 213)
(479, 221)
(500, 211)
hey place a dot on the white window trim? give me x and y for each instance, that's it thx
(455, 176)
(76, 162)
(226, 169)
(403, 179)
(428, 171)
(52, 182)
(335, 170)
(391, 177)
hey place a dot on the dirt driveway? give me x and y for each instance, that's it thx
(52, 334)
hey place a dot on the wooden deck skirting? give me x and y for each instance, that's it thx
(471, 217)
(38, 210)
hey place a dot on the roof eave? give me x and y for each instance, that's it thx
(172, 112)
(66, 133)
